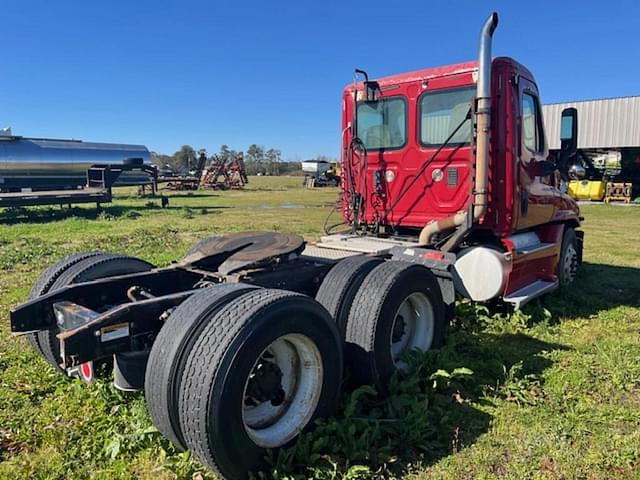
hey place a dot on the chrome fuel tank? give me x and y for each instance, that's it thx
(40, 163)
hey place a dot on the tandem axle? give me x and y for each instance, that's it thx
(140, 301)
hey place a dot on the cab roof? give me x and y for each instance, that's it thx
(443, 71)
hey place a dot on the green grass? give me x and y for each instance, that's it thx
(551, 392)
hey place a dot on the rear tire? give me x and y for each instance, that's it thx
(568, 261)
(92, 268)
(340, 285)
(169, 352)
(46, 280)
(398, 308)
(264, 367)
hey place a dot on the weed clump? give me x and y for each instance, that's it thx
(378, 435)
(106, 216)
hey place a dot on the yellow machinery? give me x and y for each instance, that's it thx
(321, 173)
(587, 189)
(336, 169)
(599, 190)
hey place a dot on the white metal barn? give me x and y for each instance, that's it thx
(607, 123)
(608, 129)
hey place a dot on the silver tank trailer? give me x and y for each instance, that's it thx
(35, 163)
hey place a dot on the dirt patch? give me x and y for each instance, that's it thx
(9, 445)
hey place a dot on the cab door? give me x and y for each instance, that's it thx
(537, 193)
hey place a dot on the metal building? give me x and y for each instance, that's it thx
(608, 123)
(608, 134)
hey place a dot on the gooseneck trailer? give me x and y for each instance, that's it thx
(447, 192)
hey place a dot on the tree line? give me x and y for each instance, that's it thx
(258, 160)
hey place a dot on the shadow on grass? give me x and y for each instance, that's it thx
(199, 194)
(497, 361)
(597, 287)
(197, 207)
(11, 216)
(268, 189)
(438, 410)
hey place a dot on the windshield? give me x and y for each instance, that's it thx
(441, 112)
(382, 124)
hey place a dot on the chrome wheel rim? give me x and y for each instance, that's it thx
(282, 391)
(413, 327)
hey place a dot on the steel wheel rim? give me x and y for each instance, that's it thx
(413, 327)
(569, 263)
(298, 360)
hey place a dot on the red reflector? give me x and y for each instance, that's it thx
(86, 369)
(434, 256)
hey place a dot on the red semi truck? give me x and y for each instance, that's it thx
(460, 153)
(447, 192)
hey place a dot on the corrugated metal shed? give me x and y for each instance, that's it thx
(604, 123)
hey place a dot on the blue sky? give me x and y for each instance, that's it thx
(167, 73)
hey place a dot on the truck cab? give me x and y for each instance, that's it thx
(418, 166)
(411, 119)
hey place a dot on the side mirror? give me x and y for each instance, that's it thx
(371, 88)
(577, 172)
(544, 168)
(569, 130)
(372, 91)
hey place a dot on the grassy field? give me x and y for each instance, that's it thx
(551, 392)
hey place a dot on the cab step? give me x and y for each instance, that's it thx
(531, 291)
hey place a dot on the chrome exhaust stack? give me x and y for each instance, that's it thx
(483, 117)
(483, 126)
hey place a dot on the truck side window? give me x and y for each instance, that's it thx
(382, 124)
(531, 133)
